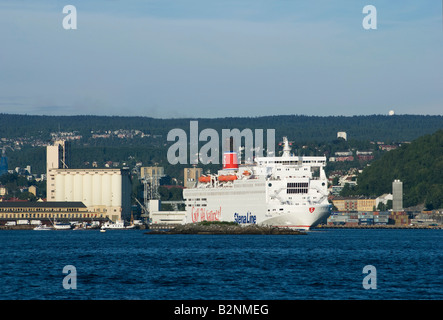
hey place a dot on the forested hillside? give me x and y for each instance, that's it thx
(296, 127)
(418, 165)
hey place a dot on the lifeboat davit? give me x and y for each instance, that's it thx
(204, 179)
(229, 177)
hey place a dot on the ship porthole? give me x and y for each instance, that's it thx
(270, 185)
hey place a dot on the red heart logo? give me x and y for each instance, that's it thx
(311, 210)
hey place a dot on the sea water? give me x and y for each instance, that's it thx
(128, 264)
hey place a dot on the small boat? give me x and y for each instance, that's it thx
(204, 179)
(230, 177)
(42, 227)
(62, 226)
(111, 225)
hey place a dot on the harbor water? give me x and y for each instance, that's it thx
(128, 264)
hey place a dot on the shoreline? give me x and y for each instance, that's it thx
(374, 226)
(233, 229)
(228, 229)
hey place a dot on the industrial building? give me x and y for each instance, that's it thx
(41, 210)
(152, 172)
(165, 218)
(58, 156)
(105, 192)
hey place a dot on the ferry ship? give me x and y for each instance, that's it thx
(282, 191)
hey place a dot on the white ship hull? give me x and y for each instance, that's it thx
(299, 217)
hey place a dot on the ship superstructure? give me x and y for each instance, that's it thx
(286, 191)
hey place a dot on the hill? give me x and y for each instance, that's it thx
(296, 127)
(418, 165)
(115, 139)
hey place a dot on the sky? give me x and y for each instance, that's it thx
(221, 58)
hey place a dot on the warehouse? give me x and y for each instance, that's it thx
(51, 210)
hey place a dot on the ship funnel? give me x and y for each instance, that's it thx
(230, 160)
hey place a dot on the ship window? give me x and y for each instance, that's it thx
(297, 187)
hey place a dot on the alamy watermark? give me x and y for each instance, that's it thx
(70, 20)
(369, 21)
(370, 281)
(210, 151)
(70, 281)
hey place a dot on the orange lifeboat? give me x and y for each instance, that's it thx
(246, 173)
(230, 177)
(204, 179)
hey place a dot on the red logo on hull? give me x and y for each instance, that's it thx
(202, 214)
(311, 210)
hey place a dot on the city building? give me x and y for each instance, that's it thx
(33, 190)
(354, 204)
(342, 135)
(365, 155)
(386, 147)
(384, 198)
(3, 190)
(191, 176)
(397, 195)
(342, 156)
(366, 204)
(3, 163)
